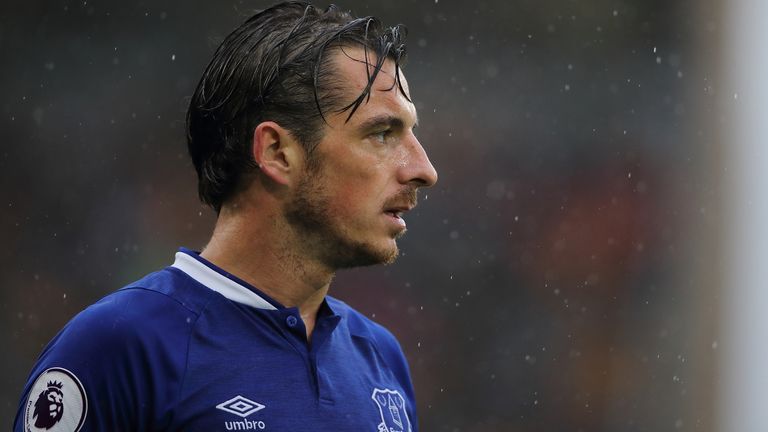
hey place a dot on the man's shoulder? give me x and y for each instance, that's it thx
(163, 305)
(111, 349)
(150, 305)
(168, 287)
(132, 327)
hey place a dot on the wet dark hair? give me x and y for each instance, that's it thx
(276, 66)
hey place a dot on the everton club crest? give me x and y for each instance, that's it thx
(392, 409)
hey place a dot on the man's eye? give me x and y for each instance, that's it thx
(380, 136)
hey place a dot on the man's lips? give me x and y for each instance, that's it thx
(397, 211)
(402, 202)
(395, 214)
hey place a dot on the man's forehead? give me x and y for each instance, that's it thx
(389, 99)
(351, 63)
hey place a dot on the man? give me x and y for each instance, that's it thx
(301, 132)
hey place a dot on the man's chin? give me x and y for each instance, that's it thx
(399, 233)
(388, 253)
(392, 257)
(362, 255)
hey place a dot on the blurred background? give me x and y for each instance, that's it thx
(590, 260)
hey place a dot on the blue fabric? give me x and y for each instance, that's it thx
(164, 352)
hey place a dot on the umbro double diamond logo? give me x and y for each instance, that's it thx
(241, 406)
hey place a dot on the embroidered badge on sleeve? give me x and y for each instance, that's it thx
(391, 405)
(56, 403)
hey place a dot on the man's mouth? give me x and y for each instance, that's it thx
(400, 204)
(396, 215)
(398, 210)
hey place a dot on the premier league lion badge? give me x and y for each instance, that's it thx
(55, 403)
(391, 404)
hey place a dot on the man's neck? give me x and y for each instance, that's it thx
(262, 255)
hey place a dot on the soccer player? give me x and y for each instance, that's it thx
(301, 132)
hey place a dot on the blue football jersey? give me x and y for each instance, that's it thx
(194, 348)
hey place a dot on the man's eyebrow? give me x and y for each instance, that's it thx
(384, 120)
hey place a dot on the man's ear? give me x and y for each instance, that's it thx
(279, 155)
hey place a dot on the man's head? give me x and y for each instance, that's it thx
(365, 172)
(276, 66)
(312, 105)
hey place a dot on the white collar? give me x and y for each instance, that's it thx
(219, 283)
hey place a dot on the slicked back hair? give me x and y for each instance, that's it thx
(276, 67)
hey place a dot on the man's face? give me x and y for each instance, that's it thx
(348, 209)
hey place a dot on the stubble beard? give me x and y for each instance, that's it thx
(321, 234)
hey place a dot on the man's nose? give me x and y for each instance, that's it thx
(418, 170)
